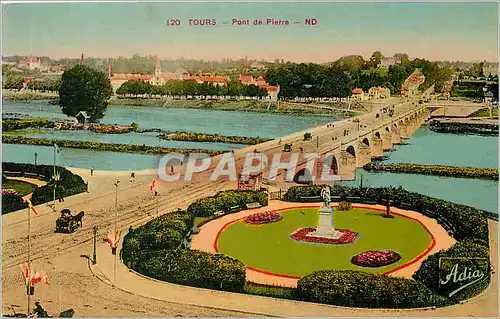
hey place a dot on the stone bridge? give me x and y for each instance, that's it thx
(343, 146)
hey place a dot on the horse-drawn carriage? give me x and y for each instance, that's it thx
(69, 223)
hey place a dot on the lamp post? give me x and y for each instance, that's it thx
(94, 230)
(36, 155)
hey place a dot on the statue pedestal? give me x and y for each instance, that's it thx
(325, 224)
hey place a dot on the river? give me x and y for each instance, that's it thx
(428, 147)
(424, 147)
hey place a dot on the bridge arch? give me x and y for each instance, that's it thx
(377, 134)
(331, 161)
(387, 129)
(366, 141)
(351, 150)
(303, 176)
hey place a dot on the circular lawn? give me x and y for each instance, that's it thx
(268, 247)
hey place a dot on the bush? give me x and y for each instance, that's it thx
(195, 268)
(155, 250)
(69, 183)
(428, 273)
(359, 289)
(225, 200)
(344, 205)
(12, 202)
(466, 222)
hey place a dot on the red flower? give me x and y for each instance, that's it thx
(347, 237)
(263, 218)
(375, 258)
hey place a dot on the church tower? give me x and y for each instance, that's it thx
(158, 79)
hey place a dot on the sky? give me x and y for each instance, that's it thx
(435, 31)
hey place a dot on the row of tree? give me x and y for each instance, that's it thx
(43, 85)
(339, 78)
(190, 87)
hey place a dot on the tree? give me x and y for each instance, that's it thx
(376, 58)
(85, 89)
(13, 83)
(403, 57)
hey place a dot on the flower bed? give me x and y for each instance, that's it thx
(302, 234)
(375, 258)
(263, 218)
(9, 191)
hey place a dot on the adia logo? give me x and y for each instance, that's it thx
(460, 275)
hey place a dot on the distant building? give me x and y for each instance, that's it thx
(385, 63)
(30, 63)
(82, 117)
(412, 83)
(490, 68)
(358, 94)
(272, 91)
(157, 78)
(379, 93)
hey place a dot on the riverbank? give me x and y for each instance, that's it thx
(28, 95)
(241, 106)
(480, 126)
(97, 146)
(436, 170)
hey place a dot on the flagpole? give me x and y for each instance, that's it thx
(116, 217)
(55, 177)
(28, 285)
(157, 208)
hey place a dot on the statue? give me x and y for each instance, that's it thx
(325, 226)
(325, 195)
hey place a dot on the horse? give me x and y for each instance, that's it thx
(78, 218)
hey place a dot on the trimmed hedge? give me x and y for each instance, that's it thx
(359, 289)
(11, 203)
(351, 288)
(155, 250)
(226, 201)
(428, 273)
(195, 268)
(69, 183)
(466, 222)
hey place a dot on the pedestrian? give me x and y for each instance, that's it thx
(92, 171)
(132, 177)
